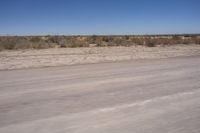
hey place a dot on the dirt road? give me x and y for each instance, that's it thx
(146, 96)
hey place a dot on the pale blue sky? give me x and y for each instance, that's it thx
(69, 17)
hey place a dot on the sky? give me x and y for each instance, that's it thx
(99, 17)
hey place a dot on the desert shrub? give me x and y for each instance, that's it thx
(138, 40)
(22, 44)
(187, 41)
(177, 40)
(91, 39)
(1, 48)
(73, 42)
(9, 43)
(117, 41)
(165, 41)
(127, 37)
(38, 42)
(40, 45)
(52, 45)
(195, 40)
(53, 39)
(150, 42)
(198, 41)
(35, 39)
(105, 39)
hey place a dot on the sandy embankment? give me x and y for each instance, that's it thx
(69, 56)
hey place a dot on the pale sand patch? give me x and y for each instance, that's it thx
(70, 56)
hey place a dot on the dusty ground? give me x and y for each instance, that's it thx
(70, 56)
(151, 96)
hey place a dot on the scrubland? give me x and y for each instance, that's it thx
(43, 42)
(17, 52)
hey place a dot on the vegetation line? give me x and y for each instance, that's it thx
(41, 42)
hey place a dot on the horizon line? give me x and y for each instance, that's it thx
(169, 34)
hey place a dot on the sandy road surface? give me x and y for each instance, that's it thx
(146, 96)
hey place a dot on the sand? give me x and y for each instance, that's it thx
(19, 59)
